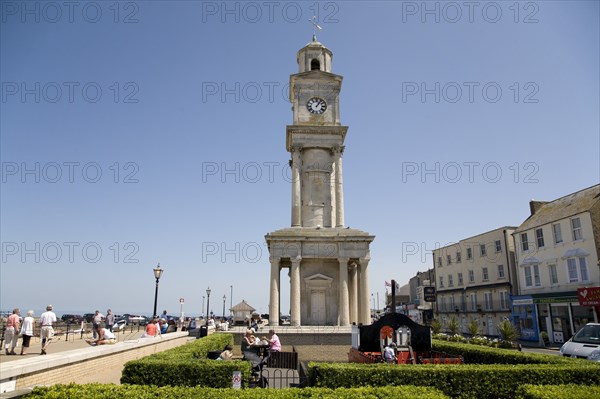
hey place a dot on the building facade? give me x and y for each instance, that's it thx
(327, 262)
(557, 252)
(473, 280)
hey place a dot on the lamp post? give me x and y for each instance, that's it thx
(202, 312)
(224, 298)
(231, 299)
(157, 273)
(207, 304)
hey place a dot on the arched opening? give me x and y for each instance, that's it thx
(315, 65)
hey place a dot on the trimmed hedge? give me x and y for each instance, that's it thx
(111, 391)
(474, 354)
(570, 391)
(457, 381)
(187, 365)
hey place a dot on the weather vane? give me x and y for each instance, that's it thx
(313, 21)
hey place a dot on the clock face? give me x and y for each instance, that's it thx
(316, 105)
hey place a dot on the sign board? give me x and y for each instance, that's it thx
(589, 296)
(429, 294)
(237, 380)
(181, 300)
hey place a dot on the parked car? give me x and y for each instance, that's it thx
(71, 318)
(88, 317)
(585, 344)
(141, 320)
(119, 325)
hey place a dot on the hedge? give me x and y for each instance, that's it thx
(569, 391)
(474, 354)
(457, 381)
(187, 365)
(111, 391)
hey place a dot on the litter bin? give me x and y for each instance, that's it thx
(202, 331)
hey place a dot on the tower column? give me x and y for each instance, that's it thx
(295, 292)
(365, 299)
(353, 288)
(296, 202)
(344, 315)
(274, 296)
(339, 191)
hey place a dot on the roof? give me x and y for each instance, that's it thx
(562, 208)
(243, 307)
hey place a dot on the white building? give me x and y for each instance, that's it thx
(473, 280)
(557, 251)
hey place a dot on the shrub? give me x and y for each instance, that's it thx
(453, 326)
(110, 391)
(187, 365)
(458, 381)
(473, 327)
(507, 330)
(569, 391)
(436, 326)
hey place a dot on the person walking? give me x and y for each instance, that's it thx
(11, 335)
(27, 331)
(110, 320)
(47, 320)
(96, 321)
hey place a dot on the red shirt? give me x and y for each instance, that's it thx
(13, 321)
(151, 329)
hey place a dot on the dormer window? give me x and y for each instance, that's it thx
(315, 65)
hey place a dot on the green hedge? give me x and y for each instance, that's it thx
(570, 391)
(187, 365)
(111, 391)
(474, 354)
(457, 381)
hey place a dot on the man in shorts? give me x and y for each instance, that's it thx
(47, 320)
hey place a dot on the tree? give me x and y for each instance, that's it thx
(473, 327)
(436, 326)
(453, 325)
(507, 330)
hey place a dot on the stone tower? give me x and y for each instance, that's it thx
(328, 263)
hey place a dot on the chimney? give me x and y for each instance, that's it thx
(534, 206)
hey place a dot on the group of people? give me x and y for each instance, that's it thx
(17, 326)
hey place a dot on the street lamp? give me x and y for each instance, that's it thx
(157, 273)
(224, 298)
(207, 304)
(231, 298)
(202, 312)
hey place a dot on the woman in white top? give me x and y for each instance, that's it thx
(27, 331)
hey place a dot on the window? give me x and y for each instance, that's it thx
(441, 282)
(315, 65)
(448, 260)
(458, 257)
(482, 250)
(576, 227)
(503, 299)
(487, 300)
(539, 236)
(524, 242)
(471, 276)
(439, 261)
(450, 281)
(443, 303)
(460, 279)
(557, 233)
(452, 302)
(485, 274)
(469, 253)
(532, 276)
(473, 301)
(577, 274)
(500, 271)
(498, 246)
(553, 274)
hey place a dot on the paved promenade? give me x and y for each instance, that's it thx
(62, 344)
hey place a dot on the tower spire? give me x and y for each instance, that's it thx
(313, 21)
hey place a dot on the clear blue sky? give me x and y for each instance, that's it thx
(154, 131)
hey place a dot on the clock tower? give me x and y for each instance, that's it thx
(327, 262)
